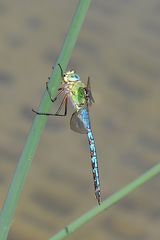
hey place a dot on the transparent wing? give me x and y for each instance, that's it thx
(77, 124)
(89, 92)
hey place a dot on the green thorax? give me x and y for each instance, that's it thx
(78, 94)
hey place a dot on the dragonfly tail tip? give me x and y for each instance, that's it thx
(98, 197)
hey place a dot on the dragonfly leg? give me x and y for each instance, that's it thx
(49, 93)
(64, 101)
(62, 74)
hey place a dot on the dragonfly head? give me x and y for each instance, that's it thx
(71, 76)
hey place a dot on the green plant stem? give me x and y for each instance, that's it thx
(28, 153)
(106, 204)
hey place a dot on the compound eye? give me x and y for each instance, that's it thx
(77, 77)
(73, 78)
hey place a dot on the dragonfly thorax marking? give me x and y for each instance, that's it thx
(77, 93)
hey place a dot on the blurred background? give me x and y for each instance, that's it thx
(119, 48)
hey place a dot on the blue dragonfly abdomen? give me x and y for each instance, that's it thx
(80, 122)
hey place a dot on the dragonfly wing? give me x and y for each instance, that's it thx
(91, 99)
(77, 124)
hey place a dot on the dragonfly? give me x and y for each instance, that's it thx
(80, 95)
